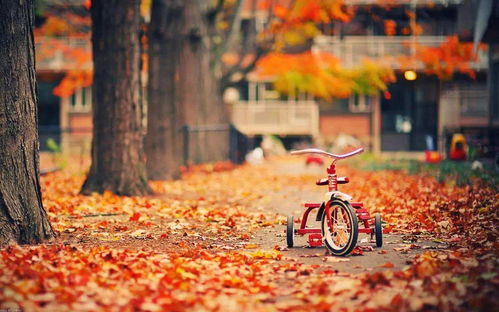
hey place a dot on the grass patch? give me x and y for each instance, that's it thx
(460, 173)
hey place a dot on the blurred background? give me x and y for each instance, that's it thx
(409, 78)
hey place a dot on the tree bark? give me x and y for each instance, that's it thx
(200, 95)
(22, 217)
(182, 89)
(164, 140)
(118, 162)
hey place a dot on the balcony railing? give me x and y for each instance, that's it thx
(352, 49)
(276, 117)
(471, 101)
(62, 53)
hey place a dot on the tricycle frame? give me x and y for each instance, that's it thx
(367, 222)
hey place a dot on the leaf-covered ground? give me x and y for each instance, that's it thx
(192, 247)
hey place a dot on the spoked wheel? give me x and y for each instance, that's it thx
(290, 231)
(340, 234)
(378, 230)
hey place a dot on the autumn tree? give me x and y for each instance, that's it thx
(22, 216)
(187, 43)
(321, 74)
(196, 49)
(163, 142)
(58, 21)
(182, 88)
(118, 160)
(444, 60)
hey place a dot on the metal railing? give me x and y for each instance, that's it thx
(352, 49)
(195, 138)
(468, 101)
(276, 117)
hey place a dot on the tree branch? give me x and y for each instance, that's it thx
(235, 24)
(226, 78)
(211, 14)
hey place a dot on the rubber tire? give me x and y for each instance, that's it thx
(378, 230)
(355, 229)
(290, 231)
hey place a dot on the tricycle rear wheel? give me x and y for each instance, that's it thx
(290, 231)
(378, 230)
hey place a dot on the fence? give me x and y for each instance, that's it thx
(207, 143)
(200, 143)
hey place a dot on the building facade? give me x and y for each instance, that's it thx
(412, 110)
(400, 120)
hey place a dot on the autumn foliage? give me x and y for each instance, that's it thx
(321, 75)
(291, 24)
(318, 11)
(191, 247)
(66, 38)
(450, 57)
(295, 22)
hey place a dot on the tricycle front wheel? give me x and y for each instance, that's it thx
(340, 228)
(290, 231)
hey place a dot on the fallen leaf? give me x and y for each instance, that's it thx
(387, 265)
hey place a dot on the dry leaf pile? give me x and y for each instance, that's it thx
(189, 248)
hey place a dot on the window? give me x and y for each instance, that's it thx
(73, 99)
(359, 103)
(81, 100)
(336, 106)
(474, 102)
(84, 97)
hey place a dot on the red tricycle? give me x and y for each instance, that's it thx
(338, 214)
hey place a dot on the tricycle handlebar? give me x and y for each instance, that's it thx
(324, 153)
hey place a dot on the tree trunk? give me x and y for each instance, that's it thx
(118, 162)
(164, 140)
(182, 89)
(199, 92)
(22, 217)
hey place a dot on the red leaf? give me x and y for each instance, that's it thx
(135, 217)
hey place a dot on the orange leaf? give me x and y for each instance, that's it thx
(250, 246)
(387, 265)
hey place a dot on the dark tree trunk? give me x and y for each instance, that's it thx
(164, 140)
(182, 89)
(118, 162)
(199, 92)
(22, 217)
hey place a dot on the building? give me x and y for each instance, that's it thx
(478, 21)
(63, 50)
(413, 110)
